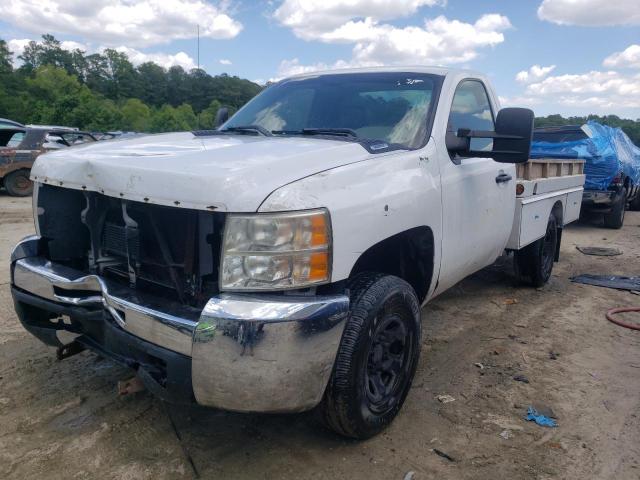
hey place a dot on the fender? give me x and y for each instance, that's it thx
(369, 202)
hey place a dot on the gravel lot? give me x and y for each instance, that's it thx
(63, 420)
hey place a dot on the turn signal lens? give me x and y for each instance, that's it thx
(319, 267)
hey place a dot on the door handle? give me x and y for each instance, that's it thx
(503, 177)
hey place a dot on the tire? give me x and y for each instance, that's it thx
(377, 357)
(534, 263)
(615, 219)
(635, 204)
(17, 183)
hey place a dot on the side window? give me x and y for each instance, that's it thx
(471, 109)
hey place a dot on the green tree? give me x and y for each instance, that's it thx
(165, 120)
(6, 58)
(186, 117)
(153, 81)
(177, 86)
(630, 127)
(135, 116)
(123, 78)
(47, 52)
(103, 91)
(50, 83)
(96, 73)
(208, 115)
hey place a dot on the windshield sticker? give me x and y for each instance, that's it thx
(410, 81)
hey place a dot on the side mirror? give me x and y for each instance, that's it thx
(511, 140)
(222, 115)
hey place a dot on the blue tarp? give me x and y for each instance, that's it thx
(607, 152)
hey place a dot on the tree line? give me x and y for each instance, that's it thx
(630, 127)
(105, 91)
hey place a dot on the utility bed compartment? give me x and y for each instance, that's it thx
(542, 183)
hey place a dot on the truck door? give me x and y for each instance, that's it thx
(478, 194)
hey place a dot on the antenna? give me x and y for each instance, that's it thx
(198, 60)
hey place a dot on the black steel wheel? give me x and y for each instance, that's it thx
(534, 263)
(390, 352)
(377, 357)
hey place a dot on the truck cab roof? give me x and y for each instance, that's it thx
(432, 70)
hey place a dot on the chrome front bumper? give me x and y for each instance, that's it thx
(250, 353)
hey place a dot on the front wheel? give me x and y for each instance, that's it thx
(534, 262)
(377, 357)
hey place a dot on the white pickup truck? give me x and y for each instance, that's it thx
(279, 262)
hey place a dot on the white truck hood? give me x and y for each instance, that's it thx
(224, 172)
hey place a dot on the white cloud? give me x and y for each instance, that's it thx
(311, 18)
(165, 60)
(628, 58)
(602, 90)
(438, 41)
(71, 45)
(597, 91)
(224, 61)
(519, 101)
(115, 22)
(590, 12)
(17, 46)
(288, 68)
(534, 74)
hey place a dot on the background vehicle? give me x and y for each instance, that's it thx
(20, 146)
(612, 165)
(4, 123)
(278, 264)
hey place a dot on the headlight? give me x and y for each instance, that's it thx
(276, 251)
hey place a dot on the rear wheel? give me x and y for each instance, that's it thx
(377, 357)
(615, 218)
(534, 262)
(18, 184)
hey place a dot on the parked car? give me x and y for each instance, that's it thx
(278, 263)
(20, 146)
(612, 165)
(5, 123)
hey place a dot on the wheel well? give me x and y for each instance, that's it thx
(408, 255)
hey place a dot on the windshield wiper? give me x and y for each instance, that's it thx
(249, 128)
(339, 132)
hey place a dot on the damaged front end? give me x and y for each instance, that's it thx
(138, 283)
(167, 251)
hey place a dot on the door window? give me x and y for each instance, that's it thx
(471, 109)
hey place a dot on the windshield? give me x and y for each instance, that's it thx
(389, 106)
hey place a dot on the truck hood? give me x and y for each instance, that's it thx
(223, 172)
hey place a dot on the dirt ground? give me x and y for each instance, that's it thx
(63, 420)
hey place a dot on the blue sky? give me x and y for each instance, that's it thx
(556, 56)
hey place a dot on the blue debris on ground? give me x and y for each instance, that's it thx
(534, 416)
